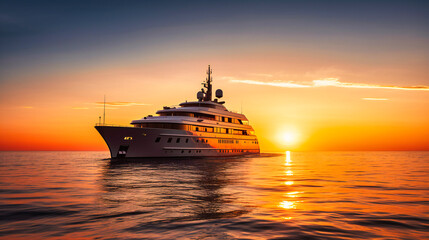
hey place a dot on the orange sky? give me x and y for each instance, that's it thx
(50, 115)
(306, 81)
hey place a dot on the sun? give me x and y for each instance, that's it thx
(288, 137)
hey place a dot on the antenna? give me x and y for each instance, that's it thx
(104, 110)
(208, 85)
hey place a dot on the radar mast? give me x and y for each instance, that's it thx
(208, 86)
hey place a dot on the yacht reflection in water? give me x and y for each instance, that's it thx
(166, 190)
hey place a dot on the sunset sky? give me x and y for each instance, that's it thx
(309, 75)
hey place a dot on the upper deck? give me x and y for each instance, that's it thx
(210, 115)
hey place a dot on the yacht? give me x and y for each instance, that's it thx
(202, 128)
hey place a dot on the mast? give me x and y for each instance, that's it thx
(104, 111)
(208, 85)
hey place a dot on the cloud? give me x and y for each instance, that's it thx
(327, 82)
(334, 82)
(375, 99)
(123, 104)
(274, 83)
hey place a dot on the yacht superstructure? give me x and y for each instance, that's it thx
(200, 128)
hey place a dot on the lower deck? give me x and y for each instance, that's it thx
(153, 142)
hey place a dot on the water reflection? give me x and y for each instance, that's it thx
(190, 189)
(288, 160)
(288, 203)
(289, 183)
(346, 195)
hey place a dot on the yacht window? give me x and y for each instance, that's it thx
(169, 140)
(157, 139)
(196, 129)
(239, 121)
(187, 140)
(223, 119)
(230, 120)
(178, 140)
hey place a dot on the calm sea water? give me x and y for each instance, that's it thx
(324, 195)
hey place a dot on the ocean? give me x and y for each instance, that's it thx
(293, 195)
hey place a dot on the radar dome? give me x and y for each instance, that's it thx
(219, 93)
(200, 95)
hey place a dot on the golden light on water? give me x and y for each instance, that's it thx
(288, 160)
(288, 163)
(292, 194)
(289, 183)
(287, 204)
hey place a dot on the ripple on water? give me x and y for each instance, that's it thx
(52, 195)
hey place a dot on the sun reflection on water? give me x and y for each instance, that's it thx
(292, 194)
(288, 161)
(287, 203)
(289, 183)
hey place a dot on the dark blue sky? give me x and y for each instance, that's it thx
(39, 30)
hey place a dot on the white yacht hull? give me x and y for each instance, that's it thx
(133, 142)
